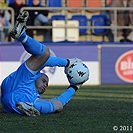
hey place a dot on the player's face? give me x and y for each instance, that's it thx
(42, 83)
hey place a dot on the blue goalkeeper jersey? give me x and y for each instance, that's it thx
(19, 86)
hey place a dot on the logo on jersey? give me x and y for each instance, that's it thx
(48, 70)
(124, 66)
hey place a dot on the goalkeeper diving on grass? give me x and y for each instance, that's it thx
(21, 90)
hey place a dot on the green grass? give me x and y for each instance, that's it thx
(93, 109)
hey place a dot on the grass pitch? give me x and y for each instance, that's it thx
(93, 109)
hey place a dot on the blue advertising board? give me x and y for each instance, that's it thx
(85, 52)
(11, 56)
(117, 64)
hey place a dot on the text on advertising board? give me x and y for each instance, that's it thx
(124, 66)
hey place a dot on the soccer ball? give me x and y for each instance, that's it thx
(78, 73)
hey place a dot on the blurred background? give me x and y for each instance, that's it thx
(97, 31)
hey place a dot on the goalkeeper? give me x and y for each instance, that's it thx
(22, 89)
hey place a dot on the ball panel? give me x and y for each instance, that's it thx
(78, 73)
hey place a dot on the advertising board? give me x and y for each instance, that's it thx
(117, 64)
(12, 56)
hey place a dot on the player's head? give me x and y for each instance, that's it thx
(42, 83)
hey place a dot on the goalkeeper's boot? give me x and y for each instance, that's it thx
(27, 109)
(20, 25)
(71, 62)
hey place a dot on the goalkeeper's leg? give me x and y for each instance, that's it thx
(39, 51)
